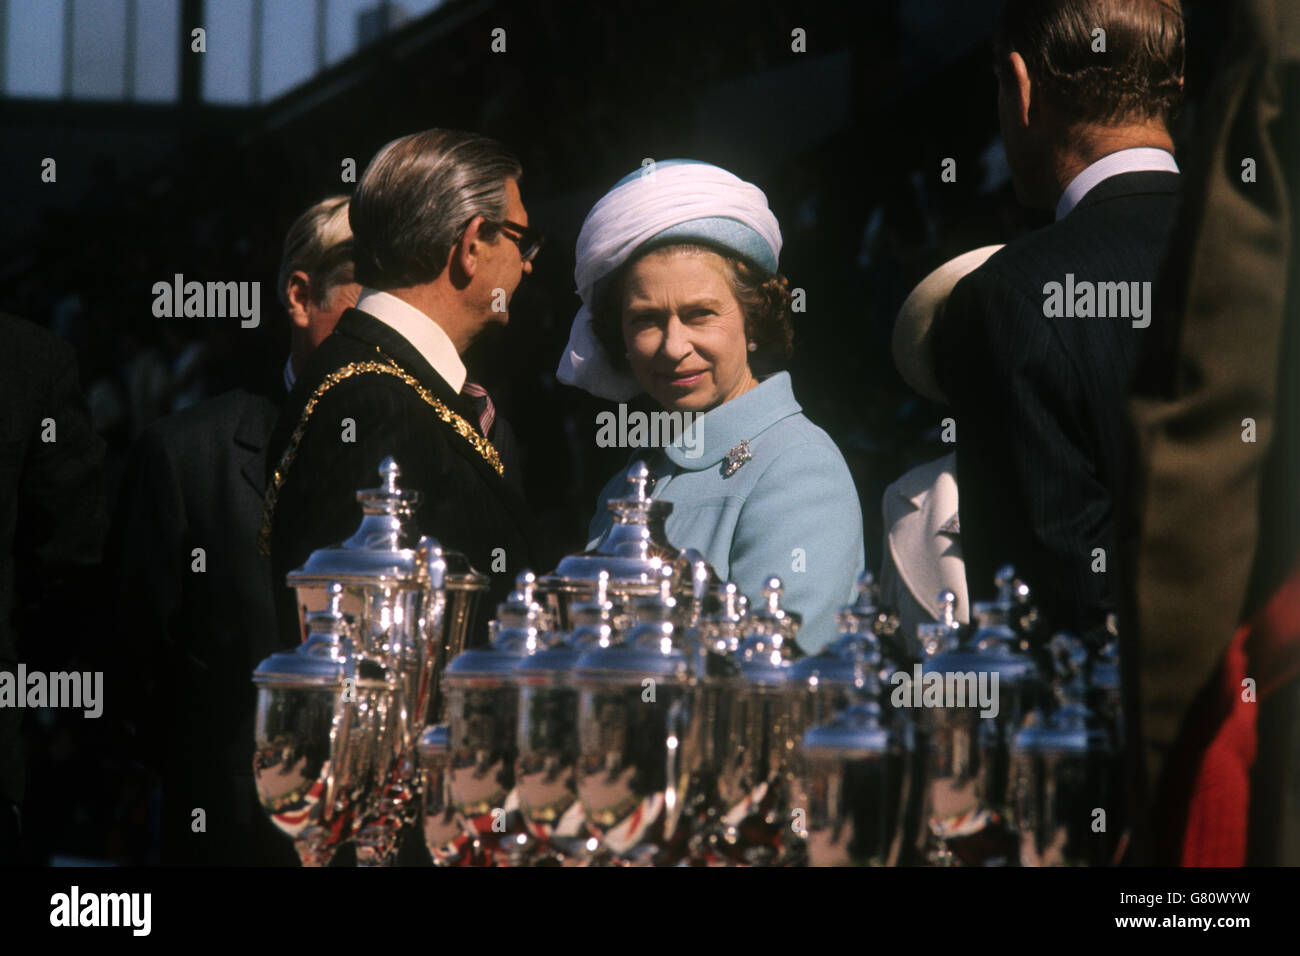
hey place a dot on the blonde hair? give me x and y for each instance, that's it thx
(319, 243)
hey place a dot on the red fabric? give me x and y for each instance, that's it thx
(1205, 800)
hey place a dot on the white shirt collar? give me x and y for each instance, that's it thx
(1137, 159)
(289, 377)
(426, 335)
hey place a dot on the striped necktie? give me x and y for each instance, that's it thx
(487, 413)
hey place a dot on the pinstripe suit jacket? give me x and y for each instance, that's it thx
(464, 503)
(1040, 403)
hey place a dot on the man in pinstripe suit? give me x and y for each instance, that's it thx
(1039, 396)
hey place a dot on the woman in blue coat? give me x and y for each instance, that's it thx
(677, 269)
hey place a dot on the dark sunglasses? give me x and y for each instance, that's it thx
(528, 240)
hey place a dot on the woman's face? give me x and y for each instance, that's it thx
(684, 331)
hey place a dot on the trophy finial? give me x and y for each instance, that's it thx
(638, 476)
(388, 474)
(947, 608)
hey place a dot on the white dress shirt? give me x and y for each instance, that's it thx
(1137, 159)
(424, 334)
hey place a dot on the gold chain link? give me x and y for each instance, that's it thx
(462, 428)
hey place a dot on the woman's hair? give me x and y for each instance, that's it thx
(764, 301)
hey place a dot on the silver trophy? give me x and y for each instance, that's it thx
(482, 702)
(408, 601)
(316, 734)
(753, 777)
(1065, 774)
(854, 772)
(547, 742)
(632, 711)
(631, 553)
(966, 810)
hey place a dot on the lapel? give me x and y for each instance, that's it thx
(920, 510)
(252, 433)
(716, 435)
(376, 337)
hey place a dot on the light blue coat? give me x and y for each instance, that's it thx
(791, 510)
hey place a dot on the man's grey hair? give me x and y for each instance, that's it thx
(319, 243)
(416, 198)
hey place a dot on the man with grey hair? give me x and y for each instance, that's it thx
(441, 241)
(195, 480)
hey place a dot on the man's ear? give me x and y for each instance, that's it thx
(1021, 87)
(298, 291)
(465, 254)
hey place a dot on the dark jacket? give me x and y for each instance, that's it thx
(1040, 402)
(195, 480)
(465, 504)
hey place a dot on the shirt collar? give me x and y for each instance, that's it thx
(424, 334)
(1135, 160)
(718, 431)
(289, 377)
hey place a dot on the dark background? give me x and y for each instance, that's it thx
(846, 140)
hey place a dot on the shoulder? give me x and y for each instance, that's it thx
(795, 461)
(222, 414)
(795, 444)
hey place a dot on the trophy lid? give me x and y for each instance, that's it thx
(516, 632)
(993, 645)
(854, 733)
(768, 648)
(851, 662)
(383, 548)
(658, 605)
(594, 619)
(628, 663)
(1071, 730)
(859, 615)
(944, 634)
(433, 742)
(723, 624)
(323, 659)
(1010, 609)
(649, 649)
(634, 548)
(772, 620)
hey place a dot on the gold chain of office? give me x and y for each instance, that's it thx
(462, 428)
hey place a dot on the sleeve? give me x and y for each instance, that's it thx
(1030, 494)
(802, 522)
